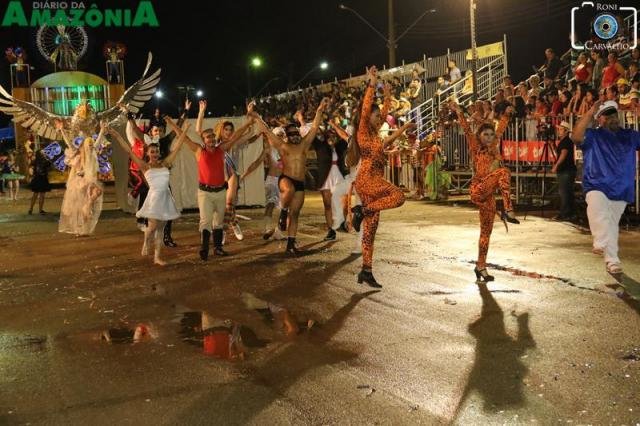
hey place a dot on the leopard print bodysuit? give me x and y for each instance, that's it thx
(375, 192)
(487, 178)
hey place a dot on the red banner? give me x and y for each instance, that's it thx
(525, 151)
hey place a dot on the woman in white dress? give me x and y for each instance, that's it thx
(159, 206)
(82, 201)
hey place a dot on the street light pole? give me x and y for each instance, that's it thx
(474, 51)
(391, 42)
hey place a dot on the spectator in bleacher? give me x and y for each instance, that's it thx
(612, 72)
(598, 67)
(454, 72)
(522, 91)
(602, 95)
(576, 99)
(624, 98)
(554, 102)
(500, 104)
(567, 101)
(415, 88)
(534, 84)
(612, 93)
(587, 101)
(583, 69)
(634, 76)
(509, 90)
(547, 86)
(542, 109)
(565, 167)
(530, 123)
(442, 84)
(553, 65)
(487, 111)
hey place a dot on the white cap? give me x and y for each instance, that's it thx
(565, 125)
(605, 107)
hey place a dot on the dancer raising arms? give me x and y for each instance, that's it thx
(488, 176)
(212, 185)
(158, 206)
(293, 152)
(273, 166)
(225, 132)
(376, 193)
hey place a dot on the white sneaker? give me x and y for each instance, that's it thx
(237, 231)
(614, 268)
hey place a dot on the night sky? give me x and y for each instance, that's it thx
(208, 44)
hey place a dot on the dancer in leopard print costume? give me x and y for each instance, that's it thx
(376, 193)
(488, 176)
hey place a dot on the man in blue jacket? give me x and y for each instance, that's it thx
(609, 170)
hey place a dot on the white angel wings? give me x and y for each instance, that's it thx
(42, 122)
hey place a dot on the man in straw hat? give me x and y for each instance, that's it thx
(609, 169)
(565, 168)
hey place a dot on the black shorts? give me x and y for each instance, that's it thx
(297, 185)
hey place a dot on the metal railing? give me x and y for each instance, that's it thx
(489, 79)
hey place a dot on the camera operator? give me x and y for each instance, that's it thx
(565, 168)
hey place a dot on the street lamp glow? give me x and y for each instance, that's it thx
(256, 62)
(324, 66)
(199, 93)
(159, 94)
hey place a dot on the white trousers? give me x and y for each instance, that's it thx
(337, 211)
(211, 206)
(604, 216)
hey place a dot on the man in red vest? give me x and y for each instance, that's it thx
(212, 186)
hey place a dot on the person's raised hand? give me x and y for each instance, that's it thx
(202, 105)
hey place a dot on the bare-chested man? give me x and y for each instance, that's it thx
(270, 157)
(293, 152)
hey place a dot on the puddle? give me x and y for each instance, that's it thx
(280, 317)
(219, 338)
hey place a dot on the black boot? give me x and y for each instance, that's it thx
(217, 243)
(356, 219)
(483, 275)
(282, 220)
(168, 241)
(331, 235)
(366, 275)
(204, 250)
(291, 246)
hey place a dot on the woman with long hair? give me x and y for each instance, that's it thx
(159, 206)
(82, 201)
(376, 193)
(488, 177)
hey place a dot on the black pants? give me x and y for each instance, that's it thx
(566, 180)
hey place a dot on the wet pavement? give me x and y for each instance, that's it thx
(92, 332)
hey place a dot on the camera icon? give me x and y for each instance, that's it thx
(605, 25)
